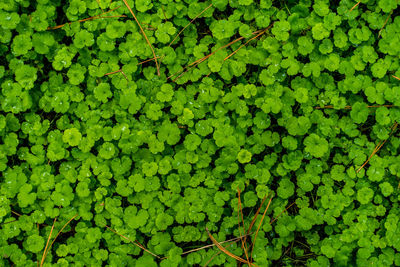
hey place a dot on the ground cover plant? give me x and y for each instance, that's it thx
(199, 133)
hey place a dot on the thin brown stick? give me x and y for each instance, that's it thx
(276, 218)
(144, 34)
(227, 252)
(306, 255)
(147, 60)
(240, 214)
(123, 73)
(191, 65)
(378, 106)
(90, 18)
(87, 19)
(140, 245)
(256, 214)
(54, 240)
(396, 77)
(8, 222)
(113, 72)
(302, 244)
(378, 146)
(350, 107)
(215, 255)
(229, 44)
(163, 11)
(187, 25)
(197, 62)
(47, 243)
(148, 24)
(258, 35)
(286, 252)
(384, 24)
(372, 154)
(259, 226)
(212, 245)
(16, 213)
(331, 106)
(117, 71)
(134, 243)
(240, 47)
(355, 6)
(189, 69)
(120, 70)
(126, 77)
(291, 248)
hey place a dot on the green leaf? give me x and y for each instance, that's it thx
(316, 145)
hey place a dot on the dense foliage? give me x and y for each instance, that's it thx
(159, 158)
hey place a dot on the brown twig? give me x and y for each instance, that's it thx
(113, 72)
(302, 244)
(258, 35)
(197, 62)
(288, 207)
(16, 213)
(215, 255)
(256, 215)
(384, 24)
(355, 6)
(91, 18)
(331, 106)
(163, 11)
(240, 47)
(134, 243)
(227, 252)
(306, 255)
(117, 71)
(147, 60)
(183, 73)
(396, 77)
(240, 214)
(120, 70)
(259, 226)
(378, 147)
(187, 25)
(350, 107)
(87, 19)
(126, 77)
(47, 243)
(145, 36)
(148, 24)
(54, 240)
(8, 222)
(212, 245)
(123, 73)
